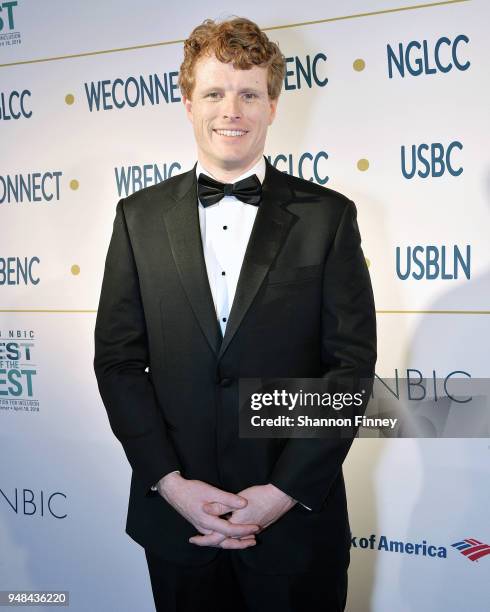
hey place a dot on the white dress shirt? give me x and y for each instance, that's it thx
(225, 229)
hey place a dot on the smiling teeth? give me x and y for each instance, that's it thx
(230, 132)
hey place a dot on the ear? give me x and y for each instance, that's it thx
(188, 108)
(273, 109)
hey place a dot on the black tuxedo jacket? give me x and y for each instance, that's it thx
(169, 381)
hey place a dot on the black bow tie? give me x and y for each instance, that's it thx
(248, 190)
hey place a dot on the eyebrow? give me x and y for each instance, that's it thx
(243, 90)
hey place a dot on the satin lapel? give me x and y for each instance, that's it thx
(269, 231)
(183, 229)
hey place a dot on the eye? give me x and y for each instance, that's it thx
(249, 95)
(213, 95)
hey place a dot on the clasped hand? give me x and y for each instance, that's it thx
(250, 511)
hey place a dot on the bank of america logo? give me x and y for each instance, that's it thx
(472, 549)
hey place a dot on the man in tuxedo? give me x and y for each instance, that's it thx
(232, 270)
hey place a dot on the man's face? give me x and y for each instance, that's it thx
(230, 111)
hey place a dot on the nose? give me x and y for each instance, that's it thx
(231, 108)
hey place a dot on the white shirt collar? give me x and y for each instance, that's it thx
(258, 169)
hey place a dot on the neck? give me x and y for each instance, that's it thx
(223, 173)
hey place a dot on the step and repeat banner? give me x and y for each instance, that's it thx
(386, 102)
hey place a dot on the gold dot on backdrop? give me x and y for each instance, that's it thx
(359, 65)
(368, 263)
(69, 98)
(74, 184)
(75, 269)
(362, 165)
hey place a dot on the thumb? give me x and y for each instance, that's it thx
(216, 508)
(232, 501)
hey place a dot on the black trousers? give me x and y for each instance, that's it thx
(226, 583)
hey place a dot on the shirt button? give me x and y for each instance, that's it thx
(224, 319)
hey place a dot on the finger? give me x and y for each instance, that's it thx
(227, 528)
(213, 539)
(203, 530)
(231, 543)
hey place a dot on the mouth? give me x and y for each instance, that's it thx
(231, 133)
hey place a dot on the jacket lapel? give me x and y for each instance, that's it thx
(269, 231)
(184, 232)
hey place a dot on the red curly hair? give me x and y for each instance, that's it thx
(238, 41)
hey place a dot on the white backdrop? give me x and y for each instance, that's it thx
(63, 478)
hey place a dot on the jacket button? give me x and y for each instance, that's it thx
(225, 382)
